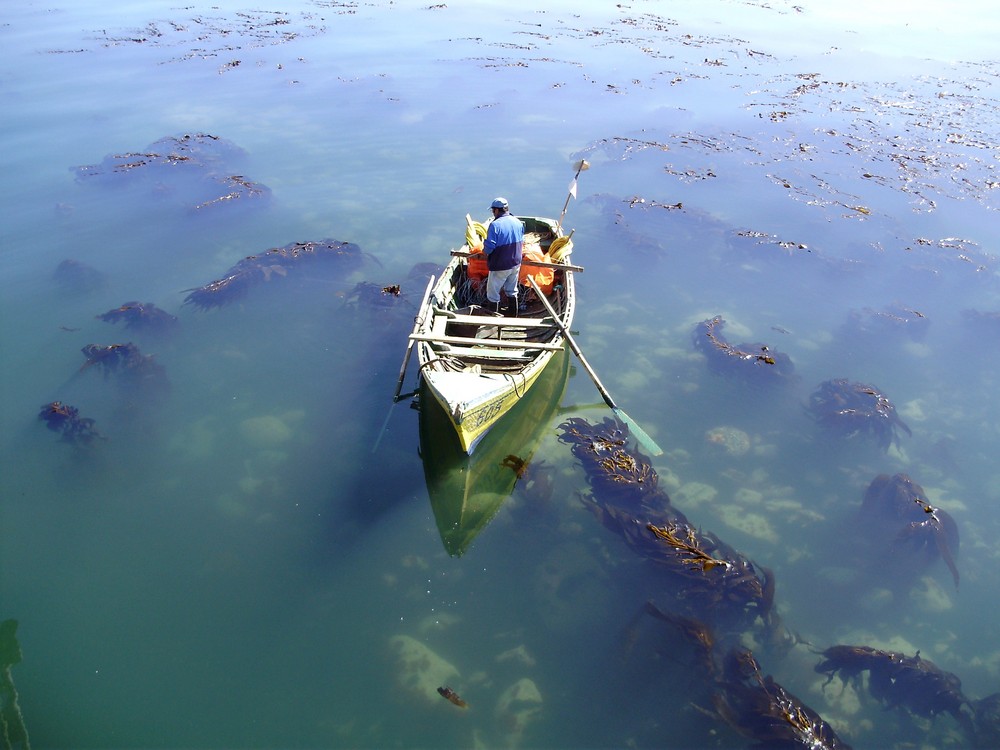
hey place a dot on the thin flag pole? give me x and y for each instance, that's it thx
(580, 166)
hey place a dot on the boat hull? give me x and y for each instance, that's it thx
(489, 402)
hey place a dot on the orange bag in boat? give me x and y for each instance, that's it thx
(544, 277)
(477, 264)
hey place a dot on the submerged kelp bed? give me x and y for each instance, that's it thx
(226, 561)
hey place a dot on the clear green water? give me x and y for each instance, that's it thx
(231, 568)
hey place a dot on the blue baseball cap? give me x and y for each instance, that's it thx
(499, 203)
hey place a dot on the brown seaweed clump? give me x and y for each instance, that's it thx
(764, 711)
(278, 261)
(890, 323)
(852, 409)
(897, 680)
(198, 166)
(756, 363)
(133, 369)
(902, 530)
(163, 158)
(140, 315)
(377, 299)
(708, 579)
(66, 420)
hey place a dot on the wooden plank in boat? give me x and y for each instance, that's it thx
(483, 352)
(496, 343)
(528, 262)
(438, 325)
(486, 320)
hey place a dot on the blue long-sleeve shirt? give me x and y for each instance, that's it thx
(504, 243)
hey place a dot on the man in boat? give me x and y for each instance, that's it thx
(503, 245)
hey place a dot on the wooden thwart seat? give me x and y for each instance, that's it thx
(486, 320)
(529, 262)
(494, 343)
(481, 352)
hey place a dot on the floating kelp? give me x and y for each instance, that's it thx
(715, 581)
(645, 228)
(111, 358)
(756, 363)
(695, 634)
(760, 247)
(852, 409)
(727, 677)
(959, 252)
(764, 711)
(919, 155)
(66, 420)
(278, 261)
(201, 36)
(897, 680)
(132, 368)
(401, 297)
(233, 188)
(204, 160)
(197, 152)
(614, 472)
(751, 240)
(709, 580)
(905, 532)
(890, 323)
(367, 295)
(140, 315)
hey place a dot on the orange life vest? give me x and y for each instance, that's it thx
(544, 277)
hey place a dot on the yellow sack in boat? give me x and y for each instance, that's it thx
(475, 233)
(560, 249)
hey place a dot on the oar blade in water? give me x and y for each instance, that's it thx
(640, 434)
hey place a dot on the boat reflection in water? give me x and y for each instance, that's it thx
(467, 491)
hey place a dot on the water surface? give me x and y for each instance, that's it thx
(236, 566)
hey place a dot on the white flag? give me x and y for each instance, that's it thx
(572, 188)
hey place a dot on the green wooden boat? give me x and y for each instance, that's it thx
(477, 367)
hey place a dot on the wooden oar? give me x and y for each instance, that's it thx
(406, 359)
(409, 345)
(647, 442)
(525, 262)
